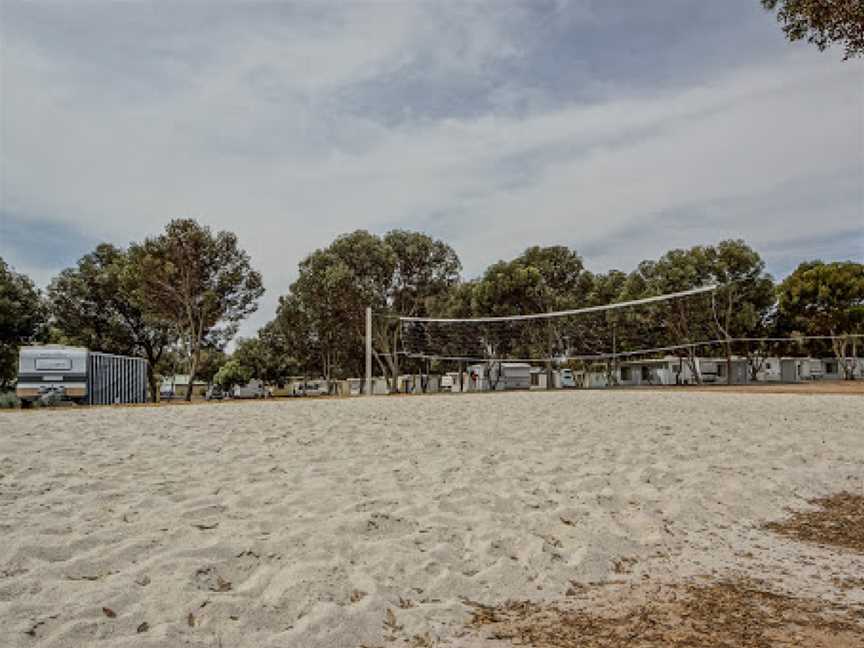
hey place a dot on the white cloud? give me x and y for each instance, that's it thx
(253, 138)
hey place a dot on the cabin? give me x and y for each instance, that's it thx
(714, 371)
(561, 378)
(355, 386)
(661, 371)
(499, 376)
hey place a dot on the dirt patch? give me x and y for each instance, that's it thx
(728, 614)
(838, 522)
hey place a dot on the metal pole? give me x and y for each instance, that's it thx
(368, 351)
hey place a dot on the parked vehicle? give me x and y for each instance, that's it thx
(252, 389)
(215, 392)
(567, 379)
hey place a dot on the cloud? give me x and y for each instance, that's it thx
(620, 131)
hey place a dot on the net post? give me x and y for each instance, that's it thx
(368, 385)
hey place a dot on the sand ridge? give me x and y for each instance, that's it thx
(309, 523)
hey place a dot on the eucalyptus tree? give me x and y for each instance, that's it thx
(826, 299)
(200, 281)
(99, 303)
(22, 318)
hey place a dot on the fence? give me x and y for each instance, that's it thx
(115, 379)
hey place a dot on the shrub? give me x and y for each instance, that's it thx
(8, 400)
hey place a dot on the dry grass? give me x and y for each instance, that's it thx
(739, 614)
(728, 614)
(838, 522)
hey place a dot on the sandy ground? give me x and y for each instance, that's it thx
(846, 387)
(353, 522)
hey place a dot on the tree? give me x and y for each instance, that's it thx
(745, 294)
(292, 335)
(826, 298)
(322, 319)
(266, 355)
(738, 307)
(682, 321)
(203, 283)
(540, 280)
(329, 299)
(232, 373)
(425, 270)
(212, 360)
(822, 22)
(22, 319)
(99, 304)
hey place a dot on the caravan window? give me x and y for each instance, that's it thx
(53, 364)
(830, 368)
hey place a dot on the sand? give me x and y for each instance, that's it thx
(360, 521)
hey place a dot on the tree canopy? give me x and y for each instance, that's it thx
(100, 304)
(201, 281)
(822, 22)
(22, 319)
(825, 298)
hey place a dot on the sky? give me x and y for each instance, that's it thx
(622, 129)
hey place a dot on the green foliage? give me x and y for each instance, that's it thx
(22, 319)
(232, 373)
(541, 279)
(320, 323)
(822, 22)
(202, 282)
(824, 297)
(740, 306)
(266, 356)
(8, 400)
(425, 270)
(99, 304)
(212, 360)
(820, 298)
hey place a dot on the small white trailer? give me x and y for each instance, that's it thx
(79, 375)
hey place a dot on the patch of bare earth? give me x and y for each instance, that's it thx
(838, 521)
(728, 614)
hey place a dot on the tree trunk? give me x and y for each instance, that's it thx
(694, 369)
(839, 344)
(193, 369)
(154, 387)
(728, 346)
(384, 371)
(152, 360)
